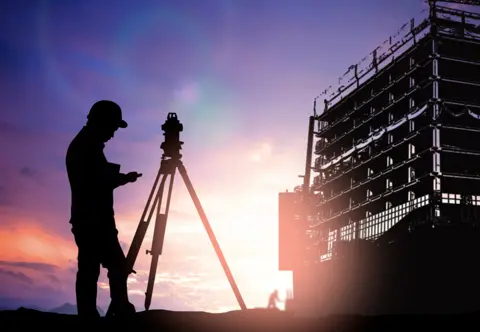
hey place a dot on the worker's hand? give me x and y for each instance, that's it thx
(133, 176)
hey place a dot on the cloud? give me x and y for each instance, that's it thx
(43, 267)
(54, 279)
(27, 283)
(28, 171)
(17, 275)
(32, 253)
(32, 174)
(25, 241)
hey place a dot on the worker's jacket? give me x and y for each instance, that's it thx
(92, 181)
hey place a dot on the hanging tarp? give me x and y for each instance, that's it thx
(474, 115)
(375, 135)
(463, 111)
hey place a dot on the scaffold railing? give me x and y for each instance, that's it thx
(404, 38)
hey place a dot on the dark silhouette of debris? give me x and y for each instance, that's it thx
(250, 320)
(92, 181)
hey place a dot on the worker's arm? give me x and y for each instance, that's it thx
(115, 178)
(96, 170)
(119, 179)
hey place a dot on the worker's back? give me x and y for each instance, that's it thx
(88, 173)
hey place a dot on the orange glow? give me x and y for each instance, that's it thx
(29, 242)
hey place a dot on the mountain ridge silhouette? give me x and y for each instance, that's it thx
(70, 309)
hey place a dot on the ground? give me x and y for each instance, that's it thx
(251, 320)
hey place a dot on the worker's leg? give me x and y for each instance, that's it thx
(114, 261)
(87, 275)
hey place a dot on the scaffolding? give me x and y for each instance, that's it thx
(395, 143)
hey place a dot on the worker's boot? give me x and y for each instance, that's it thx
(123, 309)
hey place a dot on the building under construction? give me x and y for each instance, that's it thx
(388, 223)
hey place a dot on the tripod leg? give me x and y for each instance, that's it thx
(160, 226)
(157, 242)
(211, 235)
(142, 226)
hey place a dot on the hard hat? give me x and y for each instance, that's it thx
(107, 112)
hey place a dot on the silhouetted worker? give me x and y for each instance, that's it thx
(272, 300)
(92, 181)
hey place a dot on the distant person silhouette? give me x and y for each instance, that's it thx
(92, 181)
(272, 300)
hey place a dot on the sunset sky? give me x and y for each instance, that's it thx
(241, 76)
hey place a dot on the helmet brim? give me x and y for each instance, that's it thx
(123, 124)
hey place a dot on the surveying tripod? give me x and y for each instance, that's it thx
(171, 161)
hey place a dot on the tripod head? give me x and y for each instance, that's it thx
(172, 145)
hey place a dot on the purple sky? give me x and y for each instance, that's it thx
(241, 76)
